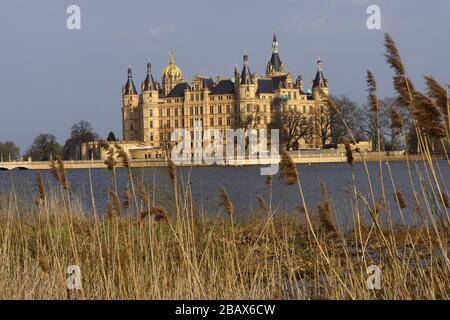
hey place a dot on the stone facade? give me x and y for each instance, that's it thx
(150, 116)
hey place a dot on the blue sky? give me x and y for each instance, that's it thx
(51, 77)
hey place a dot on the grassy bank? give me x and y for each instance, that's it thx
(138, 249)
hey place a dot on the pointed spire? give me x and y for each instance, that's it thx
(274, 44)
(319, 80)
(130, 72)
(149, 82)
(319, 64)
(130, 88)
(246, 75)
(275, 65)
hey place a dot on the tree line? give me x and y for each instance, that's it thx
(46, 147)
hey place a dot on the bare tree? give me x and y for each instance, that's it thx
(391, 120)
(293, 126)
(44, 148)
(81, 132)
(324, 118)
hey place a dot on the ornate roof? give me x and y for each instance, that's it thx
(172, 70)
(246, 75)
(149, 82)
(129, 87)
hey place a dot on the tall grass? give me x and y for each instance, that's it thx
(141, 249)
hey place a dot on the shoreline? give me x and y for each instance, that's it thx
(147, 163)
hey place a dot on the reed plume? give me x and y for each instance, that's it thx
(396, 119)
(126, 199)
(109, 210)
(172, 169)
(423, 108)
(110, 160)
(269, 181)
(326, 210)
(41, 187)
(143, 196)
(43, 262)
(428, 116)
(372, 90)
(122, 155)
(55, 171)
(159, 213)
(63, 174)
(377, 209)
(262, 202)
(288, 170)
(348, 151)
(400, 199)
(59, 172)
(402, 83)
(115, 202)
(446, 201)
(437, 93)
(225, 201)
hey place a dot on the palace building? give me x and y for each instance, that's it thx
(151, 114)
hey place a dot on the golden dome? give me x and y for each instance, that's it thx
(172, 70)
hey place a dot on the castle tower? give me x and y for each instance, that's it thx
(171, 75)
(149, 104)
(247, 89)
(130, 113)
(320, 83)
(275, 66)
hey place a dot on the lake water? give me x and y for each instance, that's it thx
(243, 184)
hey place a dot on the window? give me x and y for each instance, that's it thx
(211, 109)
(160, 124)
(191, 122)
(220, 121)
(211, 121)
(236, 108)
(160, 112)
(197, 97)
(248, 108)
(151, 137)
(196, 110)
(151, 124)
(228, 108)
(168, 112)
(228, 121)
(151, 113)
(168, 123)
(176, 123)
(191, 111)
(176, 111)
(219, 109)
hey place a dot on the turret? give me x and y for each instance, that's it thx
(130, 102)
(275, 66)
(149, 105)
(247, 86)
(320, 83)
